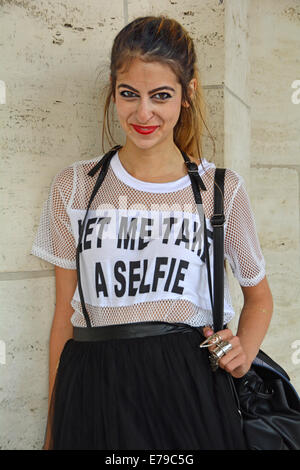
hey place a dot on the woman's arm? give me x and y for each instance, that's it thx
(253, 324)
(62, 329)
(255, 317)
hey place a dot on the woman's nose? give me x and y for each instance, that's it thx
(144, 111)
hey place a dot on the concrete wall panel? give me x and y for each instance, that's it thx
(27, 309)
(54, 69)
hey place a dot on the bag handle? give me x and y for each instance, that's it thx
(217, 221)
(197, 183)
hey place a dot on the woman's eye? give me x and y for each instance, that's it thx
(159, 96)
(163, 96)
(127, 94)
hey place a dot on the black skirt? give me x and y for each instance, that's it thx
(153, 392)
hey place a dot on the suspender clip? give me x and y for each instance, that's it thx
(192, 167)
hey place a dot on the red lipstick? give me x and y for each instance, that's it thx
(144, 129)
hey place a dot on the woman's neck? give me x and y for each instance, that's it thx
(159, 165)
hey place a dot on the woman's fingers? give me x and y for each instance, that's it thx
(225, 335)
(230, 355)
(235, 360)
(207, 331)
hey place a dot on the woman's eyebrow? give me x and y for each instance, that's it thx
(151, 91)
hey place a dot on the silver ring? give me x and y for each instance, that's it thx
(221, 349)
(211, 340)
(225, 346)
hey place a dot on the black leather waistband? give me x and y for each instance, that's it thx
(130, 330)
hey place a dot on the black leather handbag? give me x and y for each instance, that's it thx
(268, 403)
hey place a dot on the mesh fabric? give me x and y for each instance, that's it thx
(71, 188)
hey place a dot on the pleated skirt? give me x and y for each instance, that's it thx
(148, 393)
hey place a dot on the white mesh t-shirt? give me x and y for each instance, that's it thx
(142, 253)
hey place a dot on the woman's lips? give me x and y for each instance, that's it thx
(144, 129)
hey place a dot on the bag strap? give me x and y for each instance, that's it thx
(217, 221)
(197, 183)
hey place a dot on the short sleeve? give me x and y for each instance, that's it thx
(242, 248)
(54, 240)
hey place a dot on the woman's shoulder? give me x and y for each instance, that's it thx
(233, 180)
(69, 179)
(68, 175)
(232, 183)
(207, 166)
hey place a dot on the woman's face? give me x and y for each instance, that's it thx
(148, 101)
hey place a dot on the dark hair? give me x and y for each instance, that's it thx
(162, 39)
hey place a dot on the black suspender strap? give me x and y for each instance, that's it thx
(103, 164)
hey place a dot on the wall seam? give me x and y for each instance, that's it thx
(21, 275)
(237, 97)
(225, 87)
(125, 11)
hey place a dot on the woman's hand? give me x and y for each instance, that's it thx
(235, 361)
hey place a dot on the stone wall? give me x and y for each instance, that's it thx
(54, 64)
(274, 33)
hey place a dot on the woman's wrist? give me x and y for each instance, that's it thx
(249, 350)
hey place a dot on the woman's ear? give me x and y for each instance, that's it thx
(191, 90)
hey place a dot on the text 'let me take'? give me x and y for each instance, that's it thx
(146, 263)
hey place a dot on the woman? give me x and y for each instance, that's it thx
(133, 375)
